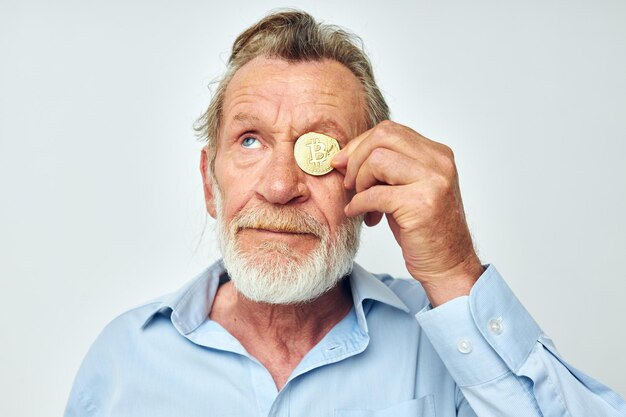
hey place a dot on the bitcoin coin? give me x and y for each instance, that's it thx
(314, 151)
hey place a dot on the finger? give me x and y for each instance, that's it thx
(387, 167)
(379, 198)
(340, 168)
(391, 136)
(340, 160)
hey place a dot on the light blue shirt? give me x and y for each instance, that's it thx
(391, 356)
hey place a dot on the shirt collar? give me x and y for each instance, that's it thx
(190, 305)
(366, 286)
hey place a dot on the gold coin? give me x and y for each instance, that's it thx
(314, 151)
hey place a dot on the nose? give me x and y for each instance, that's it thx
(283, 182)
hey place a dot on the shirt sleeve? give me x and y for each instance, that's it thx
(503, 363)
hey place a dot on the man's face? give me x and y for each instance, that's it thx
(268, 104)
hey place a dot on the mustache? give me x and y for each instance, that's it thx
(281, 218)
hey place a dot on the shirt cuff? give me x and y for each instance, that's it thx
(481, 336)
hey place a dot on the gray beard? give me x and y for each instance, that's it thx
(273, 272)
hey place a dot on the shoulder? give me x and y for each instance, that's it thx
(119, 340)
(115, 356)
(96, 376)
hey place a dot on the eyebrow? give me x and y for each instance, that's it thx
(326, 125)
(323, 125)
(245, 117)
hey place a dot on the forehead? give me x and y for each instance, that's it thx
(295, 93)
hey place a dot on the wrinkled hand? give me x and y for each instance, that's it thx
(413, 181)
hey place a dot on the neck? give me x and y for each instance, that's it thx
(280, 335)
(303, 321)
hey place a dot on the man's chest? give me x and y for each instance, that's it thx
(392, 371)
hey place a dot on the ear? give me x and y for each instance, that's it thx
(207, 182)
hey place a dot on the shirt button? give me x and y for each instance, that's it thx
(496, 326)
(464, 346)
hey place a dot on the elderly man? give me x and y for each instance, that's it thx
(287, 324)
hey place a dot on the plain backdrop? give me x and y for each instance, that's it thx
(101, 199)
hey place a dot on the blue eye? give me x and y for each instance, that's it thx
(251, 143)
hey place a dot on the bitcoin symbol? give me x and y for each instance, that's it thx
(318, 152)
(314, 151)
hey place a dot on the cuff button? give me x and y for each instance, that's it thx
(464, 346)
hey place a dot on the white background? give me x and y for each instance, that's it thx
(101, 201)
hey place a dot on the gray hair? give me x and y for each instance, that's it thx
(294, 36)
